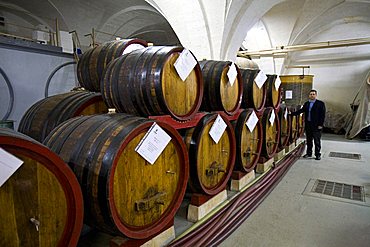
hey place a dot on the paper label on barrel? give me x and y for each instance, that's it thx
(184, 64)
(272, 118)
(277, 83)
(131, 48)
(217, 129)
(232, 73)
(252, 121)
(8, 165)
(153, 143)
(288, 94)
(260, 79)
(286, 113)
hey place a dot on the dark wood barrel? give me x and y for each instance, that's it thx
(124, 194)
(219, 95)
(273, 95)
(248, 143)
(253, 96)
(46, 114)
(145, 82)
(271, 134)
(44, 192)
(294, 125)
(92, 63)
(285, 126)
(211, 164)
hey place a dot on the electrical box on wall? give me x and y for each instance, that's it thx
(42, 34)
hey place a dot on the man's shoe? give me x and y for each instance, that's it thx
(307, 156)
(318, 158)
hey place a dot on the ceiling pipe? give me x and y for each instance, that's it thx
(283, 50)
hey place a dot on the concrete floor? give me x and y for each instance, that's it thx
(294, 216)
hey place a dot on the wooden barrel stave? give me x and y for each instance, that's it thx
(273, 96)
(100, 149)
(248, 144)
(47, 113)
(43, 188)
(205, 155)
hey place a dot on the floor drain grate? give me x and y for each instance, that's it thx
(347, 191)
(345, 155)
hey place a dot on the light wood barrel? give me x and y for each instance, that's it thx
(271, 134)
(211, 164)
(90, 67)
(285, 126)
(124, 194)
(219, 95)
(300, 122)
(248, 144)
(294, 125)
(253, 96)
(145, 82)
(273, 95)
(44, 192)
(46, 114)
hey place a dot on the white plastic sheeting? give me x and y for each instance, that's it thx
(361, 114)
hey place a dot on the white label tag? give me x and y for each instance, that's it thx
(272, 118)
(184, 64)
(288, 94)
(153, 143)
(217, 129)
(260, 79)
(286, 113)
(232, 73)
(252, 121)
(131, 48)
(277, 83)
(8, 165)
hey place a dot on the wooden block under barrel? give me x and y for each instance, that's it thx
(237, 183)
(196, 213)
(262, 167)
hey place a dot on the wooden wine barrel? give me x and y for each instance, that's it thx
(253, 96)
(211, 164)
(285, 126)
(46, 114)
(248, 143)
(271, 134)
(145, 82)
(300, 121)
(92, 63)
(293, 124)
(41, 203)
(219, 95)
(273, 95)
(124, 194)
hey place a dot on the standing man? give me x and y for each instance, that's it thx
(314, 111)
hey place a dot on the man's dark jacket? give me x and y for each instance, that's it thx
(317, 112)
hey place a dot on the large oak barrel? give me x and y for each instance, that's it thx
(41, 203)
(219, 95)
(46, 114)
(145, 82)
(285, 126)
(294, 125)
(253, 96)
(296, 88)
(211, 163)
(124, 194)
(273, 94)
(271, 134)
(248, 143)
(92, 63)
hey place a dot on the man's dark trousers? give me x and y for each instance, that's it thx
(313, 134)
